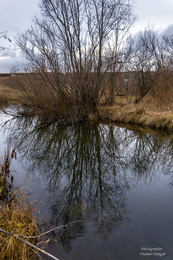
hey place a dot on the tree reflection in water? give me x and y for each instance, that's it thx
(89, 169)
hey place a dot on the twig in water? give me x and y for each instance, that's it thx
(53, 229)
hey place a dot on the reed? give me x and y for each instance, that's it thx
(19, 233)
(6, 178)
(16, 217)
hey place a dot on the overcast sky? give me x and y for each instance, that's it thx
(16, 16)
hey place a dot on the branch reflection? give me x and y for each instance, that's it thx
(89, 169)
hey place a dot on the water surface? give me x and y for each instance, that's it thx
(118, 182)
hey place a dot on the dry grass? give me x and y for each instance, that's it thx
(18, 227)
(16, 217)
(155, 110)
(37, 97)
(4, 96)
(8, 95)
(149, 112)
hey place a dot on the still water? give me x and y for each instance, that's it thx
(118, 182)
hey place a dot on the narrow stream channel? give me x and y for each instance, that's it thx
(117, 182)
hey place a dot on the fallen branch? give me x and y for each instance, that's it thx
(28, 243)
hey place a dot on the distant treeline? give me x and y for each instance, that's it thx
(5, 74)
(10, 74)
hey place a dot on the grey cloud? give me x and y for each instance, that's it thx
(12, 58)
(8, 53)
(169, 30)
(6, 64)
(16, 15)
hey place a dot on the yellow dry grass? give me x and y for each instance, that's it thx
(17, 218)
(8, 95)
(148, 113)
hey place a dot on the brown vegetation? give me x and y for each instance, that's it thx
(16, 217)
(155, 110)
(8, 95)
(18, 225)
(72, 48)
(150, 112)
(81, 56)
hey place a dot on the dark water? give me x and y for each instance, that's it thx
(118, 182)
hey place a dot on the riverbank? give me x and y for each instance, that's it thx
(18, 226)
(112, 166)
(148, 114)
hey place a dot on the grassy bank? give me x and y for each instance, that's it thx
(19, 232)
(152, 112)
(148, 113)
(16, 217)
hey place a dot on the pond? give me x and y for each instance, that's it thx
(117, 182)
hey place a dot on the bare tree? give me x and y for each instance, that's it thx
(168, 55)
(78, 42)
(146, 62)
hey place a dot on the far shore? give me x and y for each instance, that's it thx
(146, 114)
(150, 112)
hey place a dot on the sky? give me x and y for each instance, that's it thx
(16, 16)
